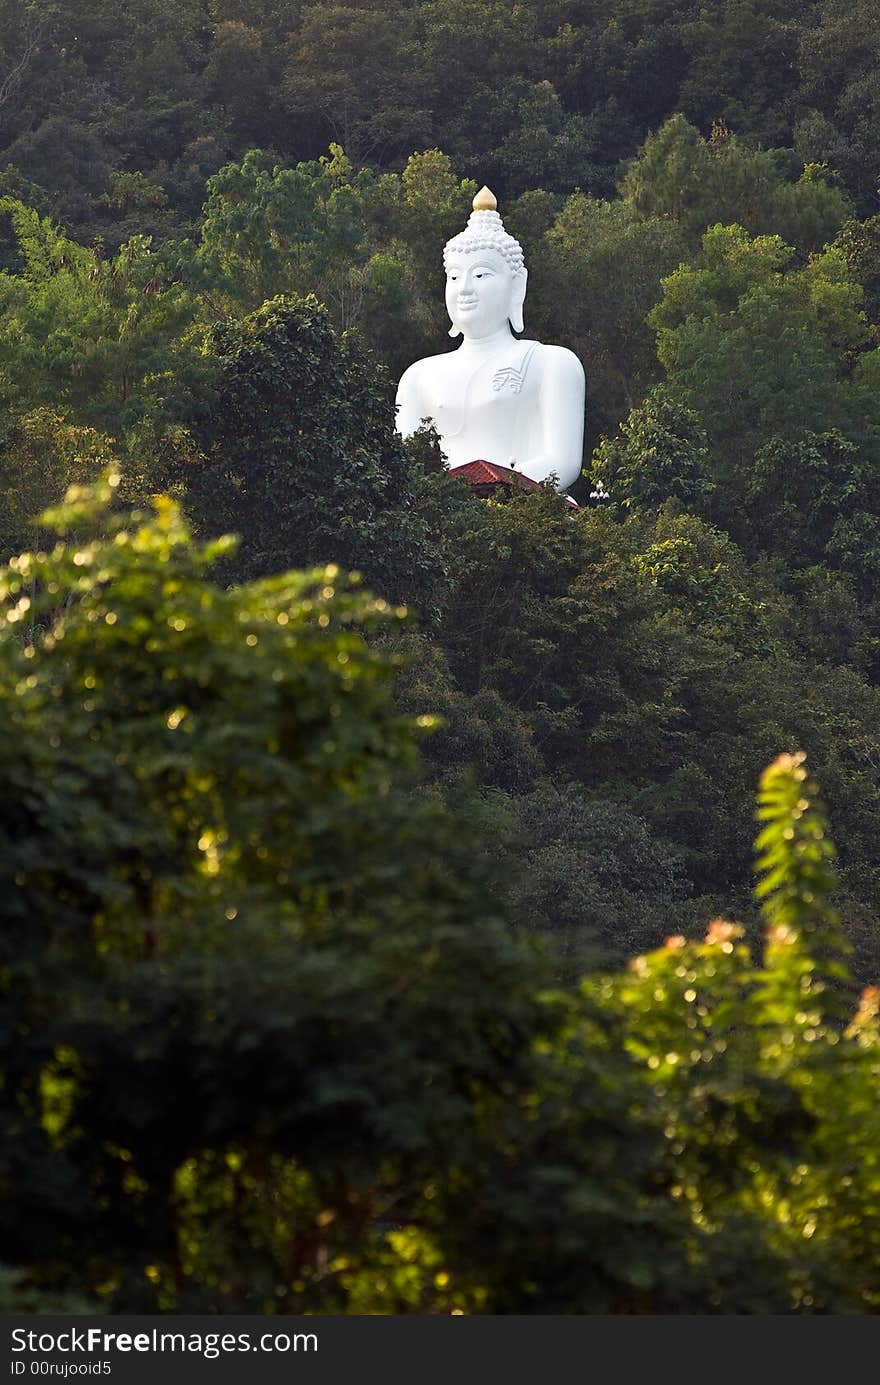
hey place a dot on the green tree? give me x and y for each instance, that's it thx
(235, 972)
(298, 452)
(317, 228)
(600, 254)
(755, 1066)
(860, 243)
(65, 158)
(645, 657)
(814, 501)
(660, 453)
(741, 66)
(362, 72)
(41, 455)
(699, 182)
(105, 338)
(586, 874)
(240, 78)
(757, 348)
(839, 96)
(280, 230)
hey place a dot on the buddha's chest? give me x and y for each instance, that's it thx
(483, 408)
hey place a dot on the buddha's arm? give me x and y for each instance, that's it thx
(563, 390)
(411, 405)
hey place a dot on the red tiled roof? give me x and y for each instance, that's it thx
(483, 476)
(482, 473)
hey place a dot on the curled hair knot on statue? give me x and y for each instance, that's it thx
(485, 231)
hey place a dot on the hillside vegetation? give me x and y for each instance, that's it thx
(298, 1005)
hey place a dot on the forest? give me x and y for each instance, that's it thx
(384, 928)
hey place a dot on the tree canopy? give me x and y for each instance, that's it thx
(268, 1050)
(305, 1009)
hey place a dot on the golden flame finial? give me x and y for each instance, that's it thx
(485, 201)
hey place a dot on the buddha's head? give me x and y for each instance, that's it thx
(486, 277)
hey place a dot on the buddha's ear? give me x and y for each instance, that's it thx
(517, 298)
(454, 331)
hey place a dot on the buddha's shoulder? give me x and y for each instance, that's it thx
(427, 366)
(558, 359)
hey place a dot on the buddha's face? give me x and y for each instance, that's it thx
(480, 292)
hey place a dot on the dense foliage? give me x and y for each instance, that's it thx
(119, 115)
(278, 992)
(267, 1048)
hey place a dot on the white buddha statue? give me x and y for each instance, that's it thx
(517, 403)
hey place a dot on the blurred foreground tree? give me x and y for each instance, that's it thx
(266, 1048)
(249, 918)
